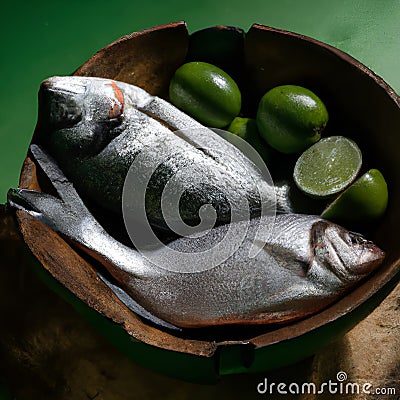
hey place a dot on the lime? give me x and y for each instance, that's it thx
(364, 201)
(205, 92)
(291, 118)
(328, 167)
(246, 129)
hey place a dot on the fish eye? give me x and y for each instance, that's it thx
(356, 238)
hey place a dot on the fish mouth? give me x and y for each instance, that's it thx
(347, 255)
(64, 85)
(367, 255)
(59, 104)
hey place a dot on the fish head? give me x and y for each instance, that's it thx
(346, 255)
(79, 114)
(67, 100)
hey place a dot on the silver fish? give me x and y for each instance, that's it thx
(304, 264)
(96, 128)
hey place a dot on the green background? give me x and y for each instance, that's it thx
(44, 38)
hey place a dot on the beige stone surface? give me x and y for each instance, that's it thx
(49, 352)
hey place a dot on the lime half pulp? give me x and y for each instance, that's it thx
(328, 166)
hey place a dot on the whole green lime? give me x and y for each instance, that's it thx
(291, 118)
(206, 93)
(362, 202)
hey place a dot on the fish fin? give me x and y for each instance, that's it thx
(63, 186)
(34, 203)
(64, 214)
(316, 233)
(287, 259)
(134, 306)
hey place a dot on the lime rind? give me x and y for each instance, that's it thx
(364, 201)
(205, 92)
(291, 118)
(328, 167)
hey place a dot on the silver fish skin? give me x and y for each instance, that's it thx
(304, 263)
(96, 128)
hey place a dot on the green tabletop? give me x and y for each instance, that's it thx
(41, 39)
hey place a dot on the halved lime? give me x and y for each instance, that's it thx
(328, 166)
(364, 201)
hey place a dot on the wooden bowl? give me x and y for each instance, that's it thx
(361, 105)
